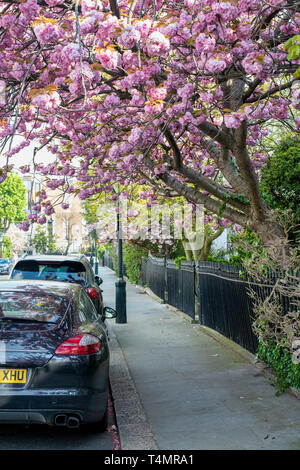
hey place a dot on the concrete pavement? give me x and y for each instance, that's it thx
(175, 387)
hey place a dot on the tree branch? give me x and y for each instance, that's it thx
(114, 8)
(244, 163)
(208, 185)
(270, 92)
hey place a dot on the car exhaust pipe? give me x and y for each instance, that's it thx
(73, 422)
(60, 420)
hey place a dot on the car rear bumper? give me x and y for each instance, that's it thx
(63, 386)
(44, 406)
(49, 417)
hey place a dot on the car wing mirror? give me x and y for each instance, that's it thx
(109, 312)
(99, 280)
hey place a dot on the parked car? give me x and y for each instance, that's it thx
(54, 355)
(5, 265)
(74, 268)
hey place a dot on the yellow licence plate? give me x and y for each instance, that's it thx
(13, 376)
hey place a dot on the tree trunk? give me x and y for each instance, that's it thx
(274, 240)
(187, 250)
(202, 253)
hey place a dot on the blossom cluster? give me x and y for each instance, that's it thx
(111, 89)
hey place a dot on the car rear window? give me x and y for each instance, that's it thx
(31, 306)
(67, 271)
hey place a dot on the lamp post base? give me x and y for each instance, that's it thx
(121, 301)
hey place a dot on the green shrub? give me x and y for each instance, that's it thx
(280, 360)
(6, 247)
(178, 260)
(133, 258)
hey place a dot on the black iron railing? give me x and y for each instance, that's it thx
(219, 293)
(180, 286)
(224, 303)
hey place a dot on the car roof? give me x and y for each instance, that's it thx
(55, 258)
(61, 289)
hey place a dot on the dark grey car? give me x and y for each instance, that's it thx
(72, 268)
(5, 265)
(54, 355)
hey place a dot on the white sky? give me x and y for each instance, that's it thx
(24, 157)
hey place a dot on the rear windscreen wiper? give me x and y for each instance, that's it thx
(25, 320)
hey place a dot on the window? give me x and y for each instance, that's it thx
(87, 311)
(24, 305)
(66, 271)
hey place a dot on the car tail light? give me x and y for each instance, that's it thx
(92, 293)
(80, 344)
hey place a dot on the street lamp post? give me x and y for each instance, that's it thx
(92, 248)
(1, 243)
(50, 232)
(120, 283)
(96, 256)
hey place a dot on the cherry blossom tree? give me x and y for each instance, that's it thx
(173, 94)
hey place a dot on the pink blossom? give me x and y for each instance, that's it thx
(137, 99)
(226, 11)
(42, 195)
(153, 107)
(205, 43)
(132, 213)
(30, 9)
(109, 58)
(189, 3)
(216, 65)
(143, 26)
(186, 92)
(3, 176)
(209, 170)
(42, 220)
(234, 120)
(7, 20)
(37, 207)
(24, 226)
(112, 101)
(90, 5)
(129, 59)
(107, 28)
(5, 129)
(69, 53)
(225, 222)
(157, 44)
(158, 93)
(129, 38)
(54, 3)
(47, 101)
(25, 169)
(84, 194)
(160, 169)
(135, 136)
(49, 209)
(47, 32)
